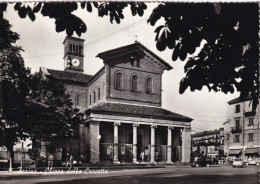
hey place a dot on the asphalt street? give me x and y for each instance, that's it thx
(180, 175)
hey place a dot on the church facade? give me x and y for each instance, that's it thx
(122, 103)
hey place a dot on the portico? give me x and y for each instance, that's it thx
(124, 137)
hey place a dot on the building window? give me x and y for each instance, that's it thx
(79, 101)
(237, 124)
(238, 108)
(98, 93)
(134, 83)
(236, 138)
(119, 81)
(89, 99)
(76, 49)
(250, 137)
(70, 47)
(94, 97)
(251, 122)
(149, 85)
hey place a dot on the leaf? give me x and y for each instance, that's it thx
(32, 16)
(82, 4)
(95, 4)
(37, 8)
(89, 7)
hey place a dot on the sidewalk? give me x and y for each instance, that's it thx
(29, 170)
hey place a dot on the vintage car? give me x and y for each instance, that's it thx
(255, 161)
(237, 162)
(201, 162)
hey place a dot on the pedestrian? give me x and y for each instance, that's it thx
(142, 156)
(50, 162)
(71, 162)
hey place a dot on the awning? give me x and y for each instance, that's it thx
(252, 150)
(235, 151)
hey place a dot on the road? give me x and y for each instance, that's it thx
(181, 175)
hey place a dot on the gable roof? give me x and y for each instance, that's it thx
(66, 76)
(138, 47)
(238, 100)
(137, 111)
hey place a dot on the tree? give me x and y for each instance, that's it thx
(50, 116)
(227, 61)
(31, 107)
(14, 86)
(49, 110)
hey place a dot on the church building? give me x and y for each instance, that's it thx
(125, 121)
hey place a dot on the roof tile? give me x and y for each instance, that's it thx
(138, 111)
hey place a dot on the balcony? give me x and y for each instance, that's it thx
(236, 129)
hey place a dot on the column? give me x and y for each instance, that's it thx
(115, 161)
(169, 146)
(135, 143)
(152, 161)
(186, 145)
(94, 142)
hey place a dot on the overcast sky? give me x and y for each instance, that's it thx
(43, 47)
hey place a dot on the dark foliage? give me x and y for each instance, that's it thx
(229, 58)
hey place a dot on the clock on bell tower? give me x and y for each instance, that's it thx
(73, 54)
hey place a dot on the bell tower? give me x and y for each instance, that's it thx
(73, 54)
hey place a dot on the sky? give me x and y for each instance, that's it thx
(43, 46)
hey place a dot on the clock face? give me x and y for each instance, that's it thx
(75, 62)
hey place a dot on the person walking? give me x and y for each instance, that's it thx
(71, 162)
(50, 162)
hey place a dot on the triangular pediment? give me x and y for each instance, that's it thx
(136, 49)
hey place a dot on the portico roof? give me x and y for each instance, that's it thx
(137, 111)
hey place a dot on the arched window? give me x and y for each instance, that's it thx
(98, 93)
(94, 96)
(79, 100)
(149, 84)
(119, 81)
(70, 48)
(89, 99)
(134, 83)
(73, 48)
(76, 49)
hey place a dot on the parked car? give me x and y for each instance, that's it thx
(255, 161)
(201, 162)
(237, 162)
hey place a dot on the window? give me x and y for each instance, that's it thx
(119, 81)
(237, 124)
(76, 49)
(134, 83)
(94, 97)
(70, 48)
(73, 48)
(89, 99)
(237, 108)
(251, 122)
(79, 100)
(98, 93)
(250, 137)
(236, 138)
(149, 85)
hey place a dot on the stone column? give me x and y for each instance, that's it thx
(94, 141)
(135, 143)
(152, 161)
(169, 146)
(115, 161)
(186, 145)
